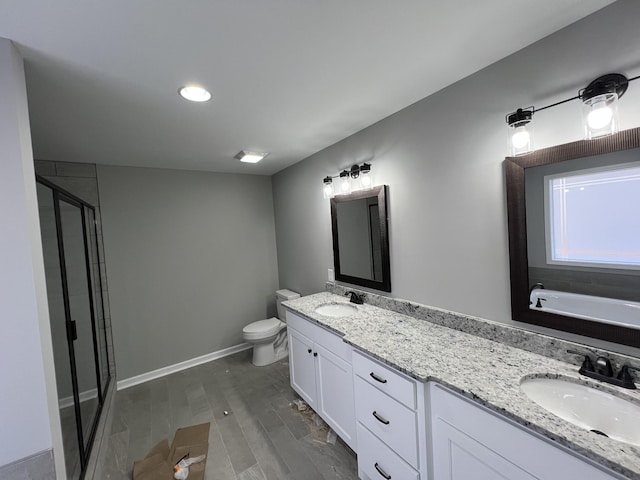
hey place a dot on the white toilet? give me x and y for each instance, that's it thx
(269, 337)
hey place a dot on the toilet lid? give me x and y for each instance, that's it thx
(267, 327)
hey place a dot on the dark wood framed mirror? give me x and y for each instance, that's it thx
(360, 231)
(518, 171)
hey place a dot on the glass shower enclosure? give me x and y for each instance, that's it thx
(76, 310)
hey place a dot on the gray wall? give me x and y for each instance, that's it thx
(442, 159)
(191, 259)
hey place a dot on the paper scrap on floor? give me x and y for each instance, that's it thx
(159, 462)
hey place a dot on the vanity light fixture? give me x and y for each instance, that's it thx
(358, 177)
(194, 93)
(250, 157)
(600, 112)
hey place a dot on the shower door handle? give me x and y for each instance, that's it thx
(72, 330)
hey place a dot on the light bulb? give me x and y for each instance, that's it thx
(520, 138)
(600, 116)
(345, 185)
(328, 190)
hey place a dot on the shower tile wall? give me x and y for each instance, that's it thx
(80, 179)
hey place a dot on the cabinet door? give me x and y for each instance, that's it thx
(457, 456)
(335, 394)
(302, 368)
(471, 442)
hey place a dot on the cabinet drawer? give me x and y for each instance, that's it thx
(386, 379)
(393, 423)
(377, 462)
(320, 335)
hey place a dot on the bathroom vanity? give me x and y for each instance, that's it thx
(430, 402)
(321, 373)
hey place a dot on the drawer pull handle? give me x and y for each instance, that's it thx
(377, 378)
(309, 351)
(380, 419)
(382, 472)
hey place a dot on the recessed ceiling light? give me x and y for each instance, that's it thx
(194, 93)
(250, 157)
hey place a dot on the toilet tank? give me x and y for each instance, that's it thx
(282, 296)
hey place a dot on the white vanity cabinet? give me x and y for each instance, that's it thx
(390, 412)
(471, 442)
(321, 373)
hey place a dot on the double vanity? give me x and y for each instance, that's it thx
(417, 400)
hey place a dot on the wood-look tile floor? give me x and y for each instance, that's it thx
(262, 437)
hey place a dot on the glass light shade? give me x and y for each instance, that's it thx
(520, 139)
(327, 189)
(365, 180)
(600, 115)
(345, 183)
(355, 183)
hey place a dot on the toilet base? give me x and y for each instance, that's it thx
(264, 354)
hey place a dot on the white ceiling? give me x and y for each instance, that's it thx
(289, 77)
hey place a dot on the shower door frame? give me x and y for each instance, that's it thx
(60, 194)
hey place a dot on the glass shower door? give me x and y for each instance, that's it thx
(59, 331)
(98, 303)
(80, 315)
(76, 313)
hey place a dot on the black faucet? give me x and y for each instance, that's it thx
(355, 298)
(537, 285)
(603, 371)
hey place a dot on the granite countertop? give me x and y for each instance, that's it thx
(483, 370)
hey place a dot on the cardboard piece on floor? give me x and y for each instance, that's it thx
(162, 448)
(155, 467)
(159, 462)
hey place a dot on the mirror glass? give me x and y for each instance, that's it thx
(574, 229)
(583, 225)
(360, 238)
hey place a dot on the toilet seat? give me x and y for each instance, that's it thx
(262, 329)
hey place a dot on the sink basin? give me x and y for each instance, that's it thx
(336, 309)
(594, 410)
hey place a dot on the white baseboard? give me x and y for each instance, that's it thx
(84, 396)
(161, 372)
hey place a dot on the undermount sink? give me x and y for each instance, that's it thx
(336, 309)
(594, 410)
